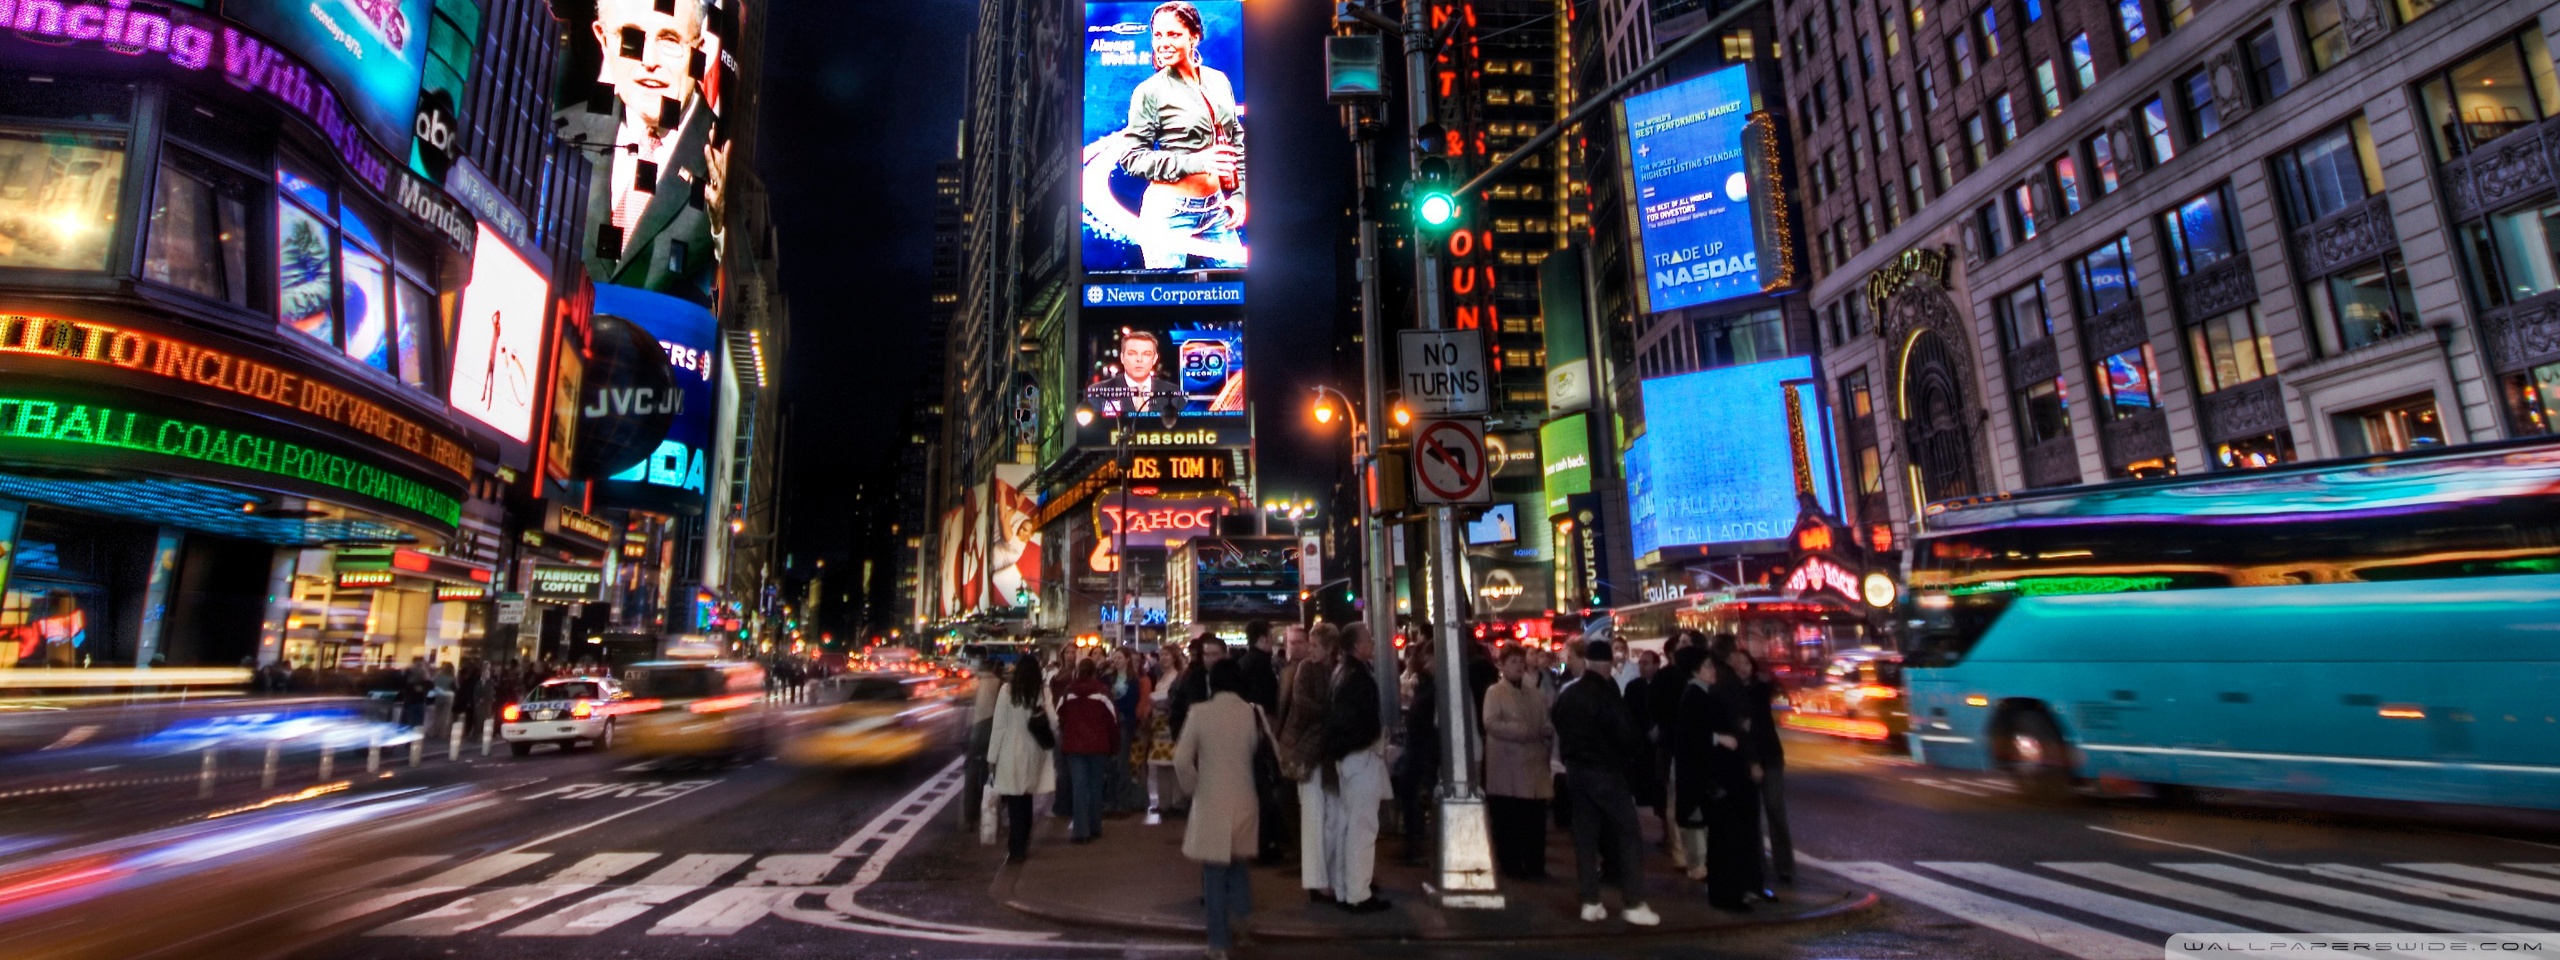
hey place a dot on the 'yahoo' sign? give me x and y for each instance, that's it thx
(188, 40)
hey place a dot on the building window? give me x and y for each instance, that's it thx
(2044, 412)
(2510, 256)
(1892, 205)
(1928, 89)
(1867, 221)
(1884, 138)
(1960, 53)
(1988, 21)
(2034, 10)
(2361, 305)
(2128, 384)
(2104, 278)
(2102, 161)
(1830, 254)
(1892, 37)
(2008, 115)
(2252, 453)
(2267, 77)
(1946, 166)
(1977, 144)
(2155, 129)
(2533, 398)
(60, 196)
(1870, 471)
(2137, 36)
(1919, 18)
(1919, 196)
(2328, 173)
(2022, 210)
(306, 259)
(2202, 119)
(2048, 89)
(200, 226)
(2505, 88)
(2404, 424)
(1737, 45)
(1821, 104)
(2066, 184)
(2023, 319)
(1866, 56)
(2411, 10)
(2324, 32)
(2230, 350)
(2084, 68)
(2201, 232)
(1902, 109)
(1986, 224)
(1857, 151)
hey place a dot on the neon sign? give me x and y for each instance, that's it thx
(1820, 575)
(36, 420)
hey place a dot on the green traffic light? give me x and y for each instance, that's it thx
(1438, 210)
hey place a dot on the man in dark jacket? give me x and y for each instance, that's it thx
(1596, 734)
(1261, 672)
(1762, 686)
(1354, 775)
(1261, 675)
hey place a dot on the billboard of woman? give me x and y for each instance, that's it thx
(1164, 171)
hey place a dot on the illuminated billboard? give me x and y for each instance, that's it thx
(1013, 547)
(647, 77)
(1564, 446)
(957, 578)
(1725, 453)
(671, 478)
(497, 350)
(1143, 368)
(371, 51)
(1163, 157)
(1692, 190)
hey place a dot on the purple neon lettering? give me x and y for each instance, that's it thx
(51, 25)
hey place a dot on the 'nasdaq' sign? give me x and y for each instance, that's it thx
(1693, 190)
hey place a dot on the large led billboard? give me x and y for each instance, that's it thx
(1141, 368)
(1163, 158)
(1692, 190)
(1725, 453)
(1564, 449)
(497, 350)
(671, 478)
(371, 51)
(647, 78)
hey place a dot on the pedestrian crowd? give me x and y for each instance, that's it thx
(1282, 749)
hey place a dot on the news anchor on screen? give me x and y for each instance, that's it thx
(1185, 137)
(1137, 385)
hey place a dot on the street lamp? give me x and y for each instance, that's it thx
(1125, 400)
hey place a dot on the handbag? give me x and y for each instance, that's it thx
(1041, 733)
(1269, 781)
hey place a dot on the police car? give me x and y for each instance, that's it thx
(566, 711)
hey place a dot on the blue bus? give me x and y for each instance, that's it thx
(2385, 628)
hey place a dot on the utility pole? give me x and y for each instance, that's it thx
(1377, 569)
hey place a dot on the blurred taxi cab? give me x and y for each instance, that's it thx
(567, 711)
(695, 708)
(1858, 696)
(886, 718)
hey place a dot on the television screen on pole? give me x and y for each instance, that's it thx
(1724, 454)
(1692, 190)
(1163, 141)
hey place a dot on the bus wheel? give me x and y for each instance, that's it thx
(2037, 758)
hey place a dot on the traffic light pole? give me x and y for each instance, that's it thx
(1377, 568)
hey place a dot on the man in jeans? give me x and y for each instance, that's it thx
(1088, 734)
(1596, 734)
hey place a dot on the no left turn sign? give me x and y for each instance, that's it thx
(1449, 462)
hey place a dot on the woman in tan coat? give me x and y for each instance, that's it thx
(1215, 762)
(1518, 772)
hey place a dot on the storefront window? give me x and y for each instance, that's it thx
(2200, 233)
(2251, 453)
(200, 231)
(2362, 305)
(2501, 90)
(58, 197)
(2534, 398)
(2128, 385)
(2105, 277)
(2230, 350)
(2044, 412)
(2405, 424)
(2328, 173)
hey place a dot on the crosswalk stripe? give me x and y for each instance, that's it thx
(603, 911)
(1993, 783)
(2495, 878)
(2281, 916)
(724, 912)
(2438, 890)
(1949, 787)
(381, 871)
(464, 877)
(2425, 918)
(791, 870)
(2138, 913)
(482, 909)
(2550, 868)
(2085, 942)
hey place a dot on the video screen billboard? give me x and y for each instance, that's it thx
(671, 478)
(647, 77)
(1564, 449)
(1725, 452)
(1691, 190)
(497, 350)
(1164, 170)
(1131, 366)
(1499, 524)
(371, 51)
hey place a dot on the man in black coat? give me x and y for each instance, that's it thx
(1596, 734)
(1354, 775)
(1261, 672)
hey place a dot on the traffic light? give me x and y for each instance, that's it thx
(1435, 207)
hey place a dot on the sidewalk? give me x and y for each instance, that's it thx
(1135, 878)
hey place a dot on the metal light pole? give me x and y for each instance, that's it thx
(1377, 569)
(1120, 602)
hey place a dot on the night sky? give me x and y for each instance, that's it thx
(861, 99)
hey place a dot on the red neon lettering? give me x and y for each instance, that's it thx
(1462, 281)
(1461, 244)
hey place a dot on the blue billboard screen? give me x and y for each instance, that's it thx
(1724, 454)
(371, 51)
(1163, 121)
(1692, 193)
(672, 477)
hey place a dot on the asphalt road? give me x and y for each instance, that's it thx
(598, 856)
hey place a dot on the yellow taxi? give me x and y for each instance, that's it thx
(695, 708)
(885, 719)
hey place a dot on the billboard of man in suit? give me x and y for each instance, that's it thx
(1136, 384)
(661, 160)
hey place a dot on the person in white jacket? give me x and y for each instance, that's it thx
(1021, 764)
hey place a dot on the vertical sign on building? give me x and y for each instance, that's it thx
(1164, 177)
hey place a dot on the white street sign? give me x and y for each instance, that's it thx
(1444, 371)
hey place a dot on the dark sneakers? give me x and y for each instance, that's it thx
(1375, 904)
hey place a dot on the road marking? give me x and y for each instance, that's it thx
(2283, 916)
(2495, 878)
(482, 909)
(2551, 868)
(2439, 890)
(1949, 787)
(463, 877)
(2160, 919)
(2425, 918)
(2202, 849)
(603, 911)
(592, 824)
(725, 912)
(909, 817)
(791, 870)
(2034, 926)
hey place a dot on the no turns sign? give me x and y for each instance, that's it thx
(1449, 462)
(1444, 371)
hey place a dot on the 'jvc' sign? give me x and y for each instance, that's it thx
(1444, 371)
